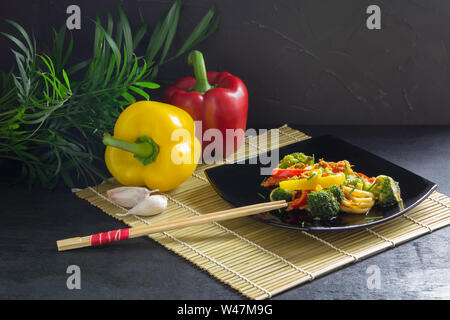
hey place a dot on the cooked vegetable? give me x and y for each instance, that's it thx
(369, 188)
(315, 179)
(288, 173)
(356, 201)
(323, 205)
(365, 178)
(299, 201)
(52, 126)
(329, 181)
(309, 183)
(386, 191)
(271, 182)
(353, 181)
(281, 194)
(293, 159)
(325, 188)
(337, 192)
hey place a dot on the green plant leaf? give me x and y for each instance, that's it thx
(145, 84)
(113, 46)
(124, 66)
(98, 37)
(66, 79)
(126, 32)
(65, 174)
(79, 66)
(133, 71)
(200, 32)
(68, 53)
(161, 30)
(19, 44)
(48, 64)
(52, 113)
(139, 35)
(141, 72)
(110, 26)
(128, 97)
(109, 71)
(58, 47)
(22, 32)
(173, 17)
(19, 61)
(141, 92)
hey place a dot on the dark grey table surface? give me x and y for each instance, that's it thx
(31, 222)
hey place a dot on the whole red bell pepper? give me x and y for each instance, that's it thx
(218, 99)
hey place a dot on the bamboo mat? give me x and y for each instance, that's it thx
(260, 260)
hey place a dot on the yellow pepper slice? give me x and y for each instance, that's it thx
(146, 149)
(302, 184)
(312, 183)
(329, 181)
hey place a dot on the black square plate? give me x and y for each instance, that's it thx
(239, 184)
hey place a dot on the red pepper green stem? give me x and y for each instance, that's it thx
(195, 59)
(144, 149)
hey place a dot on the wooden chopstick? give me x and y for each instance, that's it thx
(127, 233)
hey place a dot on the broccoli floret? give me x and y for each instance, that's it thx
(337, 192)
(386, 191)
(293, 158)
(323, 205)
(281, 194)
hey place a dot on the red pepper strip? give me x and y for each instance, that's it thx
(287, 173)
(365, 177)
(271, 181)
(300, 201)
(218, 99)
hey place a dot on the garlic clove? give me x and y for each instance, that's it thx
(127, 197)
(150, 206)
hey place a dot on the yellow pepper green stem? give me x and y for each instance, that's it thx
(144, 149)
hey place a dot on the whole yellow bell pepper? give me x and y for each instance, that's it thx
(154, 144)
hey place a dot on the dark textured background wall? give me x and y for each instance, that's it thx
(304, 62)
